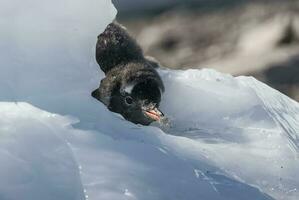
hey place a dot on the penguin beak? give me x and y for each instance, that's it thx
(154, 114)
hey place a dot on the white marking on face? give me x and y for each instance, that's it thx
(129, 88)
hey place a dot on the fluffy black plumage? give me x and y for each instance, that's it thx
(132, 87)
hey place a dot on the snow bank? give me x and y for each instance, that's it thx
(247, 129)
(36, 163)
(228, 138)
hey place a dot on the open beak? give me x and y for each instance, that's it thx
(154, 114)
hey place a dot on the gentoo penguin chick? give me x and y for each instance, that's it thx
(132, 87)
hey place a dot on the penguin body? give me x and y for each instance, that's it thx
(132, 87)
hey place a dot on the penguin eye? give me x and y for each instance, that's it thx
(128, 100)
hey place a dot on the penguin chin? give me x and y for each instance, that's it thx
(134, 114)
(141, 118)
(146, 122)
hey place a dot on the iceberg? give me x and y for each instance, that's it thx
(227, 138)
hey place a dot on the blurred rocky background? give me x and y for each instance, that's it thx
(240, 37)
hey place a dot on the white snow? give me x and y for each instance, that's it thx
(228, 138)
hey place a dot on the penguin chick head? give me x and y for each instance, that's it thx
(138, 102)
(115, 46)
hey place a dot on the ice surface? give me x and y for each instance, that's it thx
(35, 161)
(244, 127)
(228, 138)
